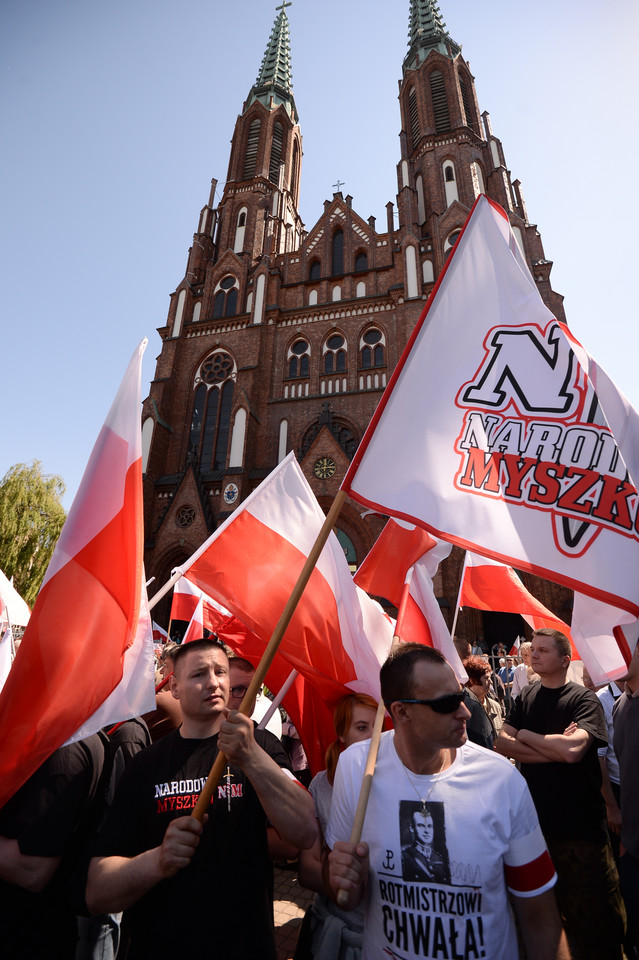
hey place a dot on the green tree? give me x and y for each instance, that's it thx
(31, 519)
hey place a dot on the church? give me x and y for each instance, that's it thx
(282, 337)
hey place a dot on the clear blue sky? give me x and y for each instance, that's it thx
(116, 116)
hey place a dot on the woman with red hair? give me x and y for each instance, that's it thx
(353, 717)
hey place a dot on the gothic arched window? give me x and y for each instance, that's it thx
(225, 299)
(467, 104)
(372, 349)
(276, 152)
(335, 354)
(450, 183)
(361, 261)
(295, 169)
(299, 356)
(450, 242)
(342, 430)
(440, 103)
(413, 117)
(252, 144)
(314, 272)
(337, 253)
(212, 405)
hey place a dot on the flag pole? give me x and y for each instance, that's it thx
(275, 702)
(269, 654)
(459, 593)
(371, 759)
(162, 592)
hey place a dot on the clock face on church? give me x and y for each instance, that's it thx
(324, 468)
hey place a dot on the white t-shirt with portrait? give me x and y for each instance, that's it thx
(484, 838)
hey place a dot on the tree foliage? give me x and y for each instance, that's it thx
(31, 519)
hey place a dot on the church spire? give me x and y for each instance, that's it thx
(273, 85)
(427, 31)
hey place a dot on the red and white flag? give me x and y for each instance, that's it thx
(490, 585)
(338, 637)
(400, 550)
(514, 650)
(86, 657)
(524, 451)
(160, 635)
(195, 629)
(186, 597)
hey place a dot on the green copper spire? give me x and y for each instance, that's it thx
(273, 84)
(427, 31)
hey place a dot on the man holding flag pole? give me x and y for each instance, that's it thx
(465, 805)
(215, 873)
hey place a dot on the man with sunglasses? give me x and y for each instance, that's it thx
(481, 812)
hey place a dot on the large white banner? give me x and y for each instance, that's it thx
(491, 433)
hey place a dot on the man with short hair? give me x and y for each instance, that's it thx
(214, 878)
(507, 672)
(554, 730)
(484, 827)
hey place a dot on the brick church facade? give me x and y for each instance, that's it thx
(280, 338)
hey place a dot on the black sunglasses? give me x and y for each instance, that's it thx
(446, 704)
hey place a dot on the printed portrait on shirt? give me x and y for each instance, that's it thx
(422, 833)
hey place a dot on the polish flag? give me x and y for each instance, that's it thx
(401, 551)
(490, 585)
(86, 657)
(304, 701)
(187, 596)
(338, 637)
(195, 629)
(159, 633)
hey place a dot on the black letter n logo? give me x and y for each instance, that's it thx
(535, 374)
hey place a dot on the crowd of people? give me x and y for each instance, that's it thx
(487, 832)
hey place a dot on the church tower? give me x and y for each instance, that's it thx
(449, 154)
(282, 338)
(258, 213)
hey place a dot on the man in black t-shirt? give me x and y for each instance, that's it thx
(554, 730)
(184, 885)
(42, 831)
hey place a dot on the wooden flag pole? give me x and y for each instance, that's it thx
(277, 699)
(459, 593)
(246, 707)
(162, 592)
(371, 759)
